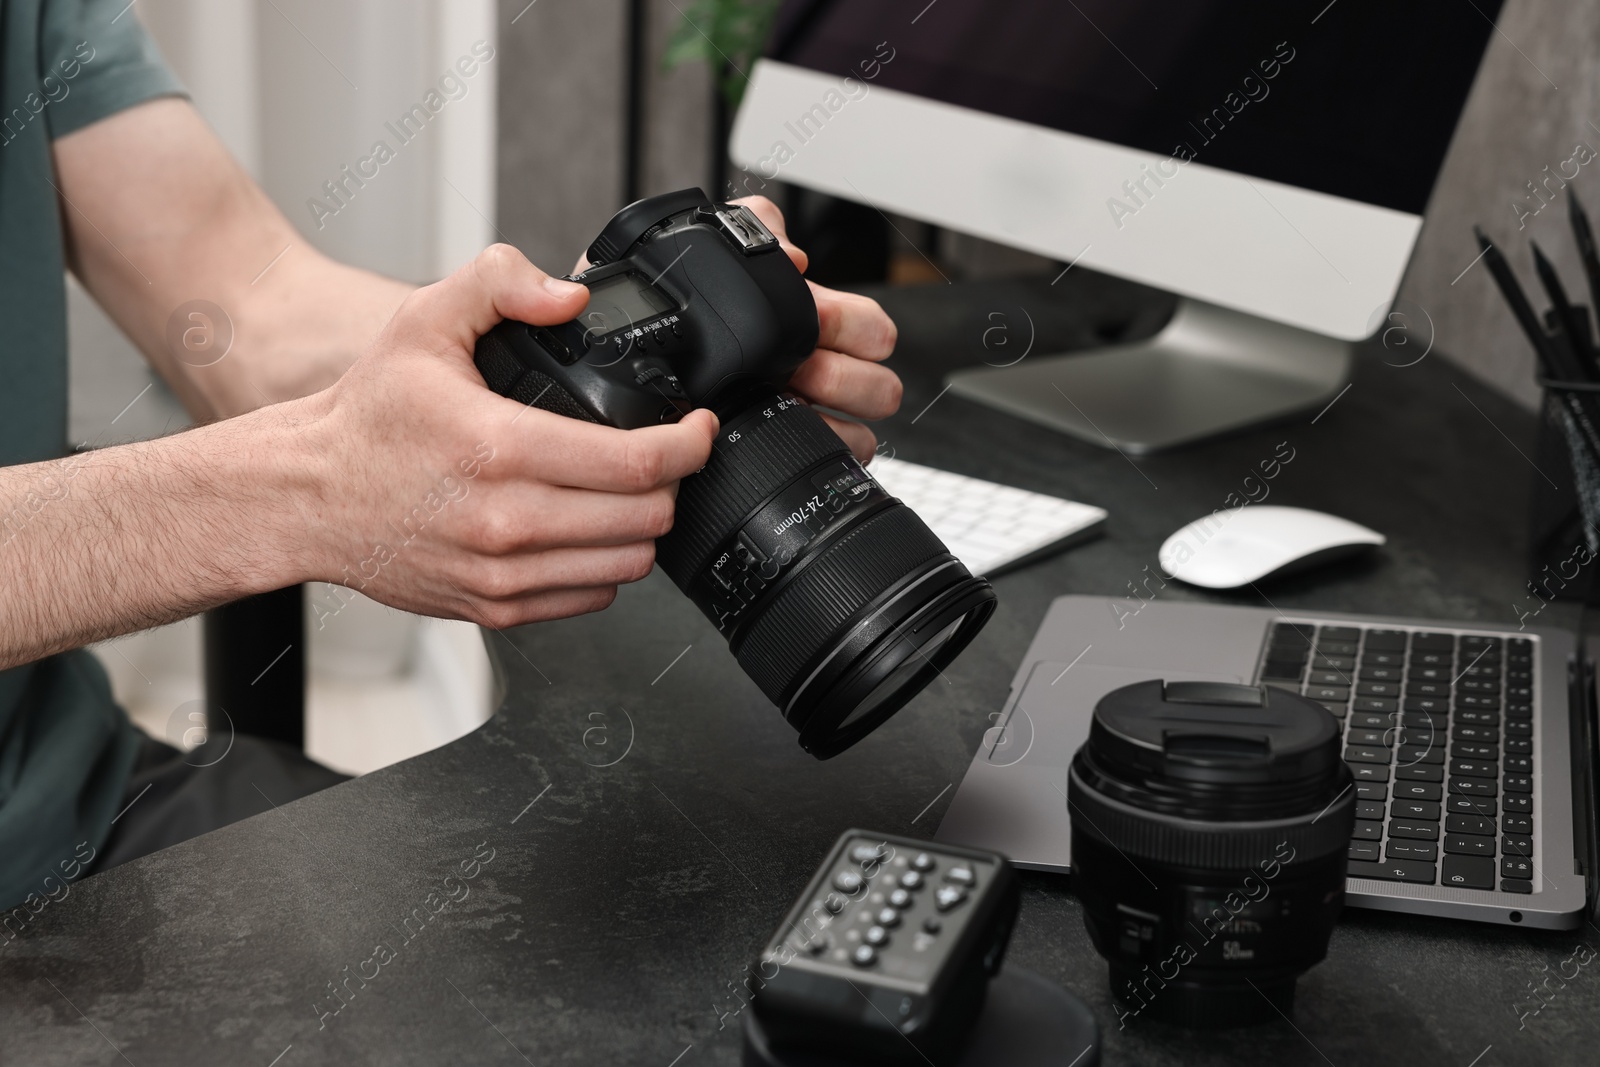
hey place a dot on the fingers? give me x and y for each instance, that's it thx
(772, 219)
(499, 284)
(583, 455)
(862, 442)
(541, 607)
(523, 518)
(854, 324)
(853, 386)
(516, 578)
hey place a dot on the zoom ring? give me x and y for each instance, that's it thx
(717, 500)
(806, 617)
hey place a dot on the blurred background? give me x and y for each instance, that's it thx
(585, 105)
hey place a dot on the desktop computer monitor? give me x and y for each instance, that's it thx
(1266, 160)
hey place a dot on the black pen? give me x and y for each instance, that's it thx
(1579, 356)
(1550, 355)
(1500, 270)
(1584, 237)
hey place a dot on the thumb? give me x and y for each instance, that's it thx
(500, 283)
(697, 434)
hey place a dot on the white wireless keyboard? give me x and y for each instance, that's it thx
(989, 527)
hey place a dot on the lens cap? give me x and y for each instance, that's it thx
(1210, 824)
(1180, 737)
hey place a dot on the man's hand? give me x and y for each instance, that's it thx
(407, 480)
(846, 372)
(447, 499)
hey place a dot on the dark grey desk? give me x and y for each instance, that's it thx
(621, 902)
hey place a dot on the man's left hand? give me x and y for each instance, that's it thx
(846, 372)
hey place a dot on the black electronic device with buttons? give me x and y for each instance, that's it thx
(887, 955)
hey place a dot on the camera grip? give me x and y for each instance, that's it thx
(504, 373)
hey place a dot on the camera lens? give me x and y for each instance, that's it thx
(914, 672)
(1209, 828)
(837, 600)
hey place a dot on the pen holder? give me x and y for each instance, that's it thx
(1565, 517)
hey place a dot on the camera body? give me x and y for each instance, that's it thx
(837, 600)
(692, 304)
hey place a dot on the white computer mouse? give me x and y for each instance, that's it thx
(1231, 548)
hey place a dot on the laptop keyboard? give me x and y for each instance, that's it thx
(1438, 731)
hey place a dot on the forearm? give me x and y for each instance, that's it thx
(295, 319)
(108, 542)
(296, 332)
(159, 217)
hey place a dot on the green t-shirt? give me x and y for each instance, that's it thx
(66, 749)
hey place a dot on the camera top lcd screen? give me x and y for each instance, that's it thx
(623, 301)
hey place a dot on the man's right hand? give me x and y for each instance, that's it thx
(408, 479)
(435, 495)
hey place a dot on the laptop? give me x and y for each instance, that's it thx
(1471, 746)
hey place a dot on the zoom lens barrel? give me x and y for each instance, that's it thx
(1209, 828)
(835, 597)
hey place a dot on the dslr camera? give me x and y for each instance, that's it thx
(836, 599)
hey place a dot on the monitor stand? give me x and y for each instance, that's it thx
(1209, 371)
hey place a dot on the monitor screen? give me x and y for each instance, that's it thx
(1351, 98)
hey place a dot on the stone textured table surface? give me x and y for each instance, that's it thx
(636, 818)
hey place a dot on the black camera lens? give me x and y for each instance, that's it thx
(1209, 828)
(837, 600)
(833, 595)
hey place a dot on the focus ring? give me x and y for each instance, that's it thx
(1210, 845)
(717, 500)
(805, 618)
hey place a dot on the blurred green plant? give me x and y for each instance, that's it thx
(726, 35)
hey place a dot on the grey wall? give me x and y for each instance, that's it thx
(561, 107)
(1516, 123)
(560, 142)
(677, 111)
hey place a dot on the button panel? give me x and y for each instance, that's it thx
(888, 910)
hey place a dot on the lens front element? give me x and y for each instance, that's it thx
(910, 673)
